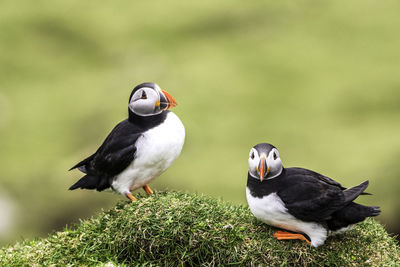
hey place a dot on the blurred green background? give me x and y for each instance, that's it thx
(319, 79)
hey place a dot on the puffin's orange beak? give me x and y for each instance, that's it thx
(262, 168)
(170, 100)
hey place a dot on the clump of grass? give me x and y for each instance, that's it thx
(175, 228)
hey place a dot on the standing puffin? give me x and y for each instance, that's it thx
(300, 200)
(139, 148)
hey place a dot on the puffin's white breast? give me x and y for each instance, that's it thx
(156, 149)
(271, 210)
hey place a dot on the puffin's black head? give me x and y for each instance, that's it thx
(264, 162)
(148, 99)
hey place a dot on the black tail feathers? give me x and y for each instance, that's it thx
(366, 193)
(352, 193)
(86, 182)
(351, 214)
(91, 182)
(373, 211)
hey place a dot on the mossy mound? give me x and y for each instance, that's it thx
(172, 228)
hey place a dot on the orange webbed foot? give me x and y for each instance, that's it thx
(130, 196)
(281, 235)
(148, 189)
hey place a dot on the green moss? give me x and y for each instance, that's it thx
(175, 228)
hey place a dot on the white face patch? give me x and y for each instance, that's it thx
(273, 161)
(145, 102)
(254, 160)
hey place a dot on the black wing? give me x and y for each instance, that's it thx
(325, 179)
(82, 165)
(319, 177)
(115, 154)
(310, 198)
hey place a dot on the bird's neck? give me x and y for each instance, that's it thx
(267, 186)
(147, 121)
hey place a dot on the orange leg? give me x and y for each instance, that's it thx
(130, 196)
(148, 189)
(281, 235)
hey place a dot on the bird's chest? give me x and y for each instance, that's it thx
(156, 149)
(160, 146)
(269, 209)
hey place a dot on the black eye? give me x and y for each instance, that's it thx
(144, 96)
(252, 155)
(275, 156)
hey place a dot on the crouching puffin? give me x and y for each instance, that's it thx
(139, 148)
(300, 200)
